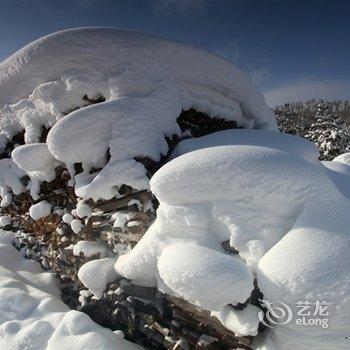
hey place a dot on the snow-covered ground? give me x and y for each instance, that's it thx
(33, 317)
(108, 96)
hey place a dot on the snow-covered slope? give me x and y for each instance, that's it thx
(145, 82)
(33, 317)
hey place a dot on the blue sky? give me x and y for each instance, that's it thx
(293, 50)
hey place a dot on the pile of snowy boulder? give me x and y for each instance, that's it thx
(117, 173)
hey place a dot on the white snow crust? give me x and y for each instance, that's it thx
(33, 317)
(145, 81)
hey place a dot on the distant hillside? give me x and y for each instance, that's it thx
(326, 123)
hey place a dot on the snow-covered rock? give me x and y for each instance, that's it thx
(219, 279)
(5, 220)
(10, 175)
(83, 210)
(40, 210)
(256, 196)
(36, 160)
(67, 218)
(145, 82)
(95, 275)
(76, 225)
(90, 248)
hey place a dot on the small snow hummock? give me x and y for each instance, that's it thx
(76, 225)
(67, 218)
(5, 221)
(90, 248)
(10, 175)
(40, 210)
(83, 210)
(95, 275)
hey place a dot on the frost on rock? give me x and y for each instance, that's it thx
(142, 84)
(40, 210)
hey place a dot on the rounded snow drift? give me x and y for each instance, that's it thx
(204, 276)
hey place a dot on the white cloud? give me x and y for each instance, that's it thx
(304, 90)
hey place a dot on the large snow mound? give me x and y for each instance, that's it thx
(251, 184)
(282, 214)
(32, 316)
(145, 82)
